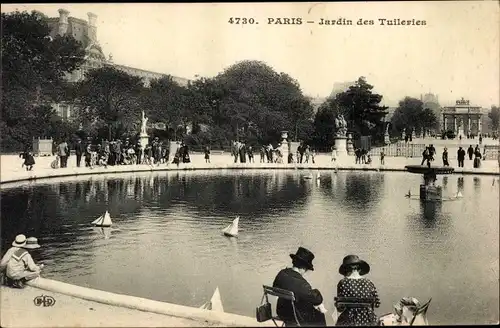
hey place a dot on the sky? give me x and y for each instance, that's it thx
(455, 54)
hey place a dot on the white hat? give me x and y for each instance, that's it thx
(31, 243)
(20, 241)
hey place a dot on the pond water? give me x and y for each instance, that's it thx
(166, 242)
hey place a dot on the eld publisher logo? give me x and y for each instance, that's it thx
(44, 300)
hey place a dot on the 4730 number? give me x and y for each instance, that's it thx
(243, 21)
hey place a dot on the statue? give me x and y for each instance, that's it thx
(387, 128)
(340, 126)
(144, 121)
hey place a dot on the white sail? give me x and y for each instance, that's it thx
(215, 303)
(98, 220)
(232, 229)
(319, 176)
(103, 220)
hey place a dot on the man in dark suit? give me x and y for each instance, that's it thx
(308, 302)
(460, 157)
(79, 150)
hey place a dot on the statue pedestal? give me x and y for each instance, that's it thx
(350, 145)
(143, 140)
(341, 146)
(285, 146)
(387, 140)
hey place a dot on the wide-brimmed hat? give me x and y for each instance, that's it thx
(20, 241)
(305, 256)
(31, 243)
(349, 260)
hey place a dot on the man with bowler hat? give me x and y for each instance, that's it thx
(308, 302)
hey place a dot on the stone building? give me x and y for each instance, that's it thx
(463, 118)
(86, 33)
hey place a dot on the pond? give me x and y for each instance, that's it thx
(166, 242)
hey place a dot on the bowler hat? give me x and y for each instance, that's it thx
(20, 241)
(305, 256)
(349, 260)
(31, 243)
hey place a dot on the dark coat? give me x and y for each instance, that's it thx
(305, 300)
(79, 148)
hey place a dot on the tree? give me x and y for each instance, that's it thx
(33, 68)
(361, 109)
(258, 102)
(411, 115)
(324, 123)
(166, 101)
(110, 98)
(494, 115)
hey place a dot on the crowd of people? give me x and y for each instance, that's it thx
(430, 151)
(156, 152)
(114, 152)
(269, 154)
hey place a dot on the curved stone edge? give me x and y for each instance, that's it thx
(126, 169)
(146, 305)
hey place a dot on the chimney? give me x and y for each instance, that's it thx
(63, 22)
(92, 31)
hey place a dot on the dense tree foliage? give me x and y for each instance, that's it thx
(494, 115)
(109, 101)
(360, 108)
(33, 68)
(412, 116)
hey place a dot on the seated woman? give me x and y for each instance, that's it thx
(356, 296)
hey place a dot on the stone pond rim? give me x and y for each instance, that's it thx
(422, 169)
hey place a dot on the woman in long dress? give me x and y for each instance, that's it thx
(356, 295)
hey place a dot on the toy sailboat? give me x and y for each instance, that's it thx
(103, 221)
(232, 229)
(215, 303)
(318, 177)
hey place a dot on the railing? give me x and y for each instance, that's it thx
(491, 152)
(399, 149)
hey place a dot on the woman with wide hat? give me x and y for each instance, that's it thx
(356, 295)
(308, 302)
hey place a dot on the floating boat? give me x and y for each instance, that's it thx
(318, 176)
(215, 303)
(232, 229)
(459, 195)
(103, 221)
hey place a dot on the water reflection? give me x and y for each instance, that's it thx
(174, 219)
(460, 184)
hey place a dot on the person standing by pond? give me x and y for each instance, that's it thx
(356, 296)
(63, 152)
(460, 157)
(309, 302)
(207, 154)
(79, 151)
(29, 160)
(445, 157)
